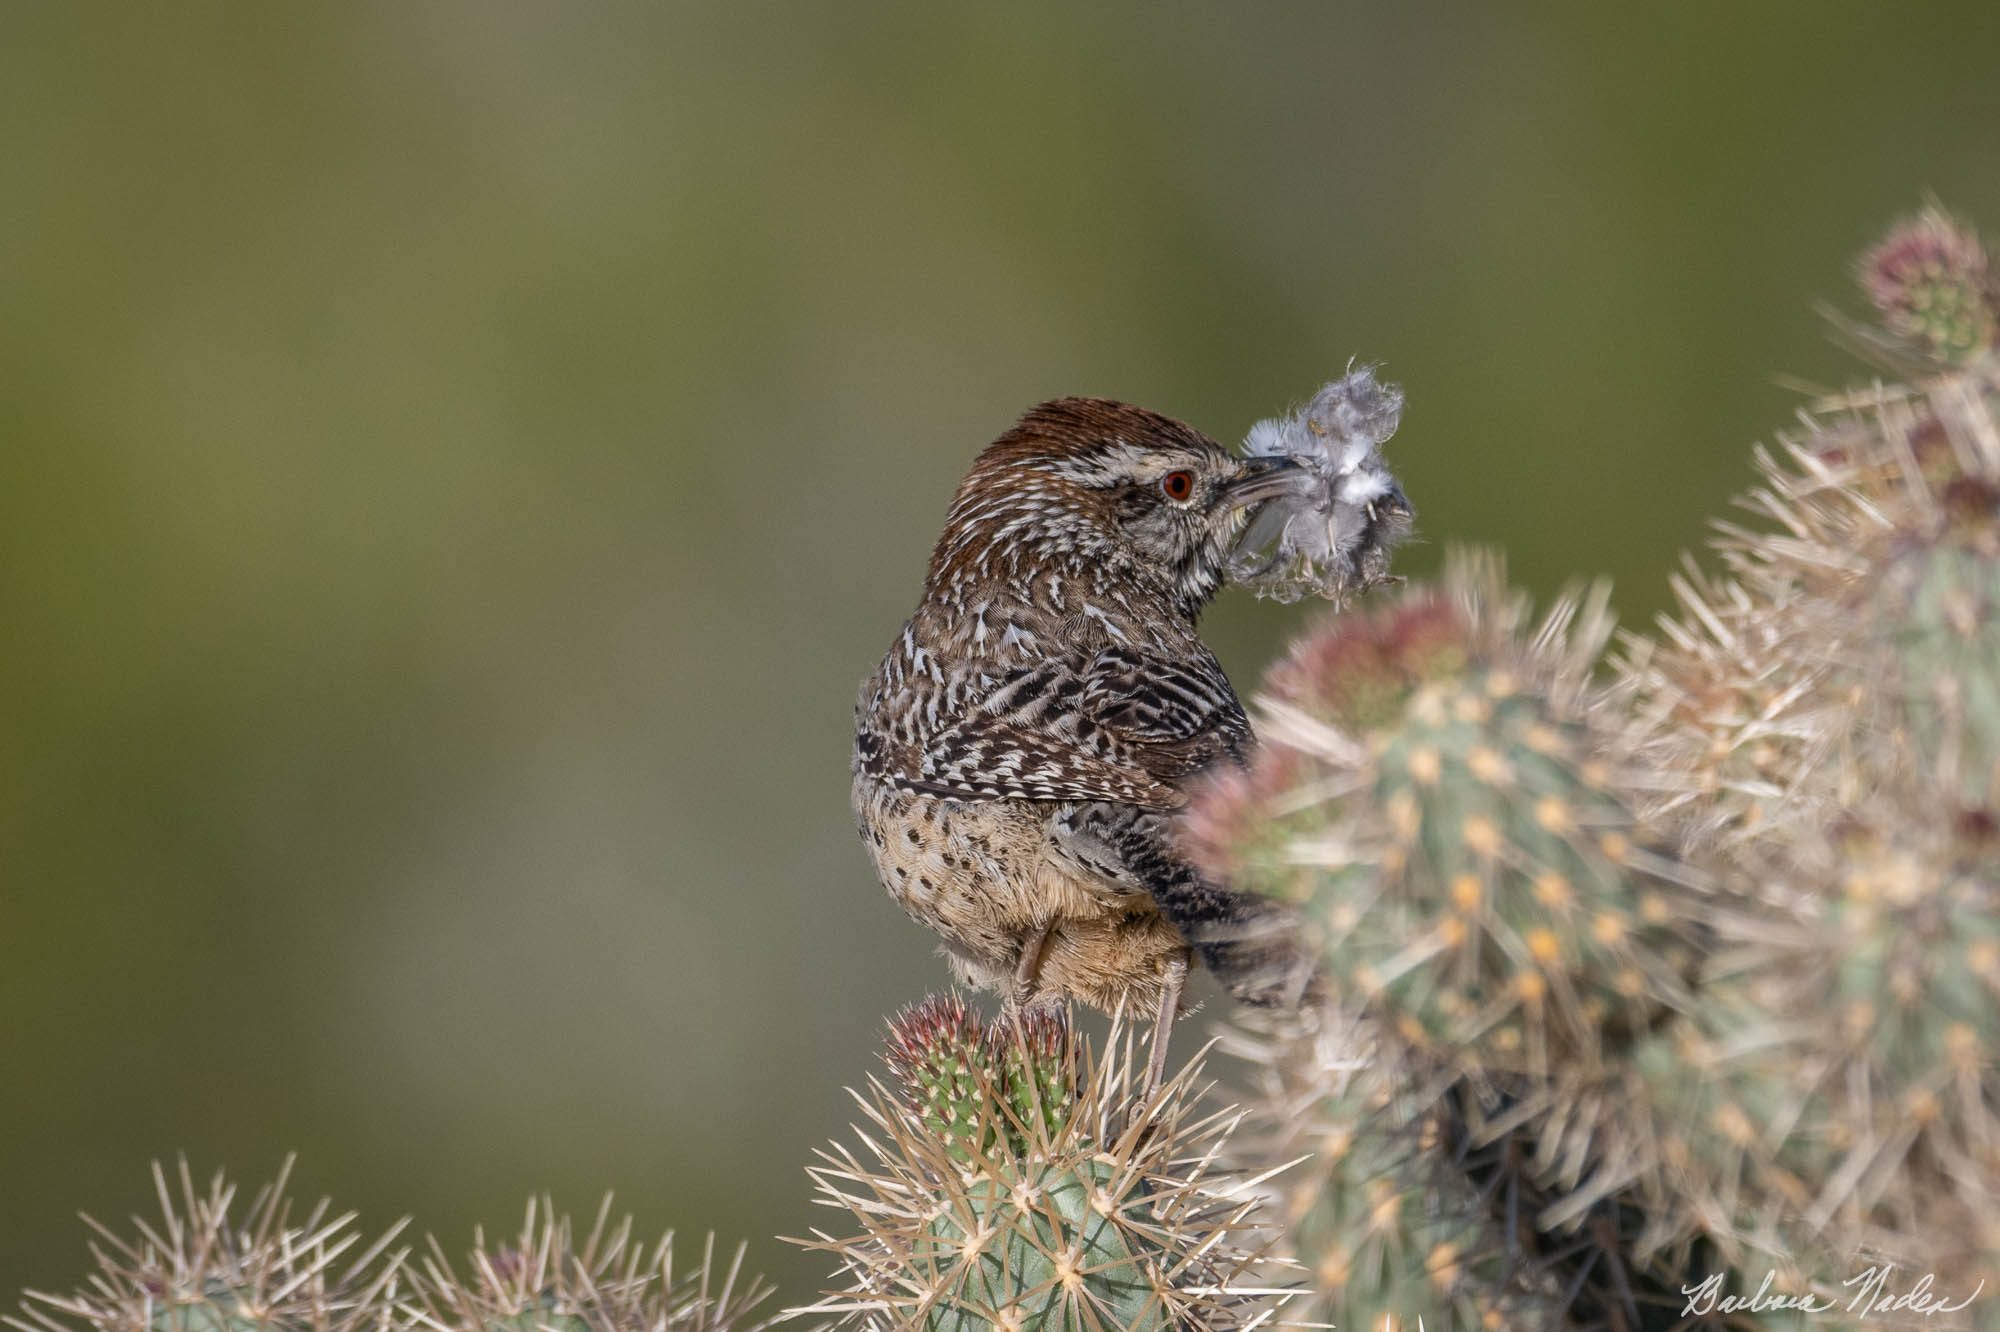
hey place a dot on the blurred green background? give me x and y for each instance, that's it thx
(458, 459)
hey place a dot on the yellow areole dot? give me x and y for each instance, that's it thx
(1552, 814)
(1425, 766)
(1961, 1046)
(1733, 1124)
(1616, 846)
(1552, 889)
(1542, 739)
(1481, 835)
(1487, 765)
(1543, 945)
(1404, 816)
(1984, 958)
(1530, 988)
(1443, 1264)
(1471, 708)
(1465, 892)
(1859, 1018)
(1607, 927)
(1385, 1204)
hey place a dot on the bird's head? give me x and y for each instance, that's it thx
(1094, 487)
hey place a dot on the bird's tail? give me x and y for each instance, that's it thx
(1256, 947)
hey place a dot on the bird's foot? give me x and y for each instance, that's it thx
(1027, 973)
(1171, 983)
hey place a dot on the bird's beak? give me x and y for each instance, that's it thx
(1260, 479)
(1395, 504)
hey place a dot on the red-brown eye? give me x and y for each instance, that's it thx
(1177, 486)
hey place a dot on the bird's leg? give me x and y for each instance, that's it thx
(1171, 982)
(1027, 969)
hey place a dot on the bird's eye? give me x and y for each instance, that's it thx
(1177, 486)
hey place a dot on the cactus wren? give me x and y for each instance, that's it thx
(1022, 752)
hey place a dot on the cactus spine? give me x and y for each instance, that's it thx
(280, 1268)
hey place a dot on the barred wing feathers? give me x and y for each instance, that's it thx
(1103, 728)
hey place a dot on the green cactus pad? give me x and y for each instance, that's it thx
(1092, 1212)
(1934, 613)
(1036, 1250)
(220, 1309)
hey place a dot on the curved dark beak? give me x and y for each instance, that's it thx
(1264, 478)
(1395, 504)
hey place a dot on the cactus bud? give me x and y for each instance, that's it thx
(1929, 280)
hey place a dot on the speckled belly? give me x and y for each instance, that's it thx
(981, 875)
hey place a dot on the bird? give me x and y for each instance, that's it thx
(1025, 751)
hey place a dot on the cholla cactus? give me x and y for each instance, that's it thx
(278, 1269)
(1857, 612)
(1826, 722)
(1840, 1080)
(1386, 1224)
(1454, 834)
(1930, 607)
(544, 1280)
(1435, 796)
(1857, 641)
(1733, 709)
(1848, 1093)
(1089, 1211)
(197, 1271)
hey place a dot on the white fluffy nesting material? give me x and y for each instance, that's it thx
(1331, 535)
